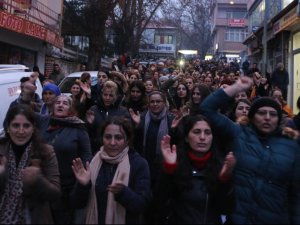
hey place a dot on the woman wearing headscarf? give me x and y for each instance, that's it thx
(49, 93)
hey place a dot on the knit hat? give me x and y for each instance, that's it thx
(265, 101)
(52, 87)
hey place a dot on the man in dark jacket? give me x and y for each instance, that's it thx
(280, 79)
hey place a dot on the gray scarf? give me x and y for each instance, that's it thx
(163, 127)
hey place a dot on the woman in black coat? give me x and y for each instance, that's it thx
(189, 188)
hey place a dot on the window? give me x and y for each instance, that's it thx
(163, 39)
(236, 14)
(236, 35)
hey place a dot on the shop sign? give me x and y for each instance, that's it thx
(289, 19)
(236, 22)
(23, 26)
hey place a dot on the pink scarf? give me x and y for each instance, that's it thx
(115, 213)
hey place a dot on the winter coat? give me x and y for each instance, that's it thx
(154, 160)
(193, 206)
(101, 115)
(133, 198)
(69, 141)
(44, 191)
(267, 174)
(280, 79)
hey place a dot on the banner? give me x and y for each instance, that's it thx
(23, 26)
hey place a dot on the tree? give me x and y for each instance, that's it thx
(193, 20)
(89, 18)
(129, 21)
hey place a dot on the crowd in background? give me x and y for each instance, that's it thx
(206, 142)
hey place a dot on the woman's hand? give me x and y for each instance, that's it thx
(291, 133)
(176, 120)
(228, 166)
(30, 175)
(242, 84)
(168, 152)
(85, 87)
(136, 117)
(82, 175)
(117, 186)
(90, 116)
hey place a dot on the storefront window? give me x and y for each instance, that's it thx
(14, 55)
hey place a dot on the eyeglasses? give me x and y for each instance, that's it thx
(264, 113)
(156, 101)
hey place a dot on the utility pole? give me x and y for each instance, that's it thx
(264, 41)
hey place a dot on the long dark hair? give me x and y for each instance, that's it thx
(177, 99)
(140, 105)
(38, 145)
(184, 171)
(204, 92)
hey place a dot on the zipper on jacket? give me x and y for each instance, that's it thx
(205, 210)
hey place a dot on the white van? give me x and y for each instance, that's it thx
(66, 84)
(10, 76)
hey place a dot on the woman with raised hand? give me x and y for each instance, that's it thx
(150, 127)
(266, 178)
(69, 137)
(115, 187)
(29, 173)
(189, 190)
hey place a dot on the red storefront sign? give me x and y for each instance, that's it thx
(236, 22)
(23, 26)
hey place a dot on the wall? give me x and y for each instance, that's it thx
(26, 42)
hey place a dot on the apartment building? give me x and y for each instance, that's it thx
(159, 41)
(229, 28)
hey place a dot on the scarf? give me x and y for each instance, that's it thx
(70, 121)
(12, 205)
(163, 127)
(44, 110)
(199, 162)
(115, 213)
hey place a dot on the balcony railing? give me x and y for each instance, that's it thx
(33, 11)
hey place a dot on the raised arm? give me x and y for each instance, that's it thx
(221, 98)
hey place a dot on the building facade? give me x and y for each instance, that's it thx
(229, 29)
(29, 29)
(282, 21)
(159, 41)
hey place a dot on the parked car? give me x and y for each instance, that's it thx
(66, 84)
(10, 76)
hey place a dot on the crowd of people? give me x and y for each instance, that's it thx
(204, 143)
